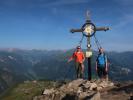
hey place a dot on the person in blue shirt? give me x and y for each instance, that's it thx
(102, 65)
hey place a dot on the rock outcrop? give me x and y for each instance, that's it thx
(76, 90)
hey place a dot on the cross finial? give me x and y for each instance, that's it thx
(88, 15)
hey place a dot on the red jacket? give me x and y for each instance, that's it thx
(78, 56)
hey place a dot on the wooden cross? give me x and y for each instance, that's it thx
(89, 29)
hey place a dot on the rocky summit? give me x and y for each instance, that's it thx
(79, 90)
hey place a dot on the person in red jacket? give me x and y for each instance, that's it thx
(79, 58)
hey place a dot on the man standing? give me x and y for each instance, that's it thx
(102, 65)
(79, 58)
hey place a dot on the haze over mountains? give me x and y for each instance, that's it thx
(18, 65)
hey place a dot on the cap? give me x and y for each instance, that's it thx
(78, 47)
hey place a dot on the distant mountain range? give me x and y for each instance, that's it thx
(18, 65)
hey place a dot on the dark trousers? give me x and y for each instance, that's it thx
(101, 71)
(79, 72)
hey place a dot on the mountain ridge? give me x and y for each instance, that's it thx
(24, 65)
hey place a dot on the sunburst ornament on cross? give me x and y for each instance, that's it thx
(89, 29)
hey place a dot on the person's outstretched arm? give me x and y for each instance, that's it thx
(71, 58)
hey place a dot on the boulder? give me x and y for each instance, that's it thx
(48, 91)
(96, 96)
(76, 90)
(105, 84)
(87, 84)
(93, 86)
(76, 83)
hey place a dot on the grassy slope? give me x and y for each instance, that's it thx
(26, 91)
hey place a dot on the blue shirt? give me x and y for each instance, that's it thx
(101, 60)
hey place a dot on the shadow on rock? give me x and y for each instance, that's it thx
(70, 97)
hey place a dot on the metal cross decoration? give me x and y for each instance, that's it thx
(88, 30)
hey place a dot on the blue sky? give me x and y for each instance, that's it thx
(45, 24)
